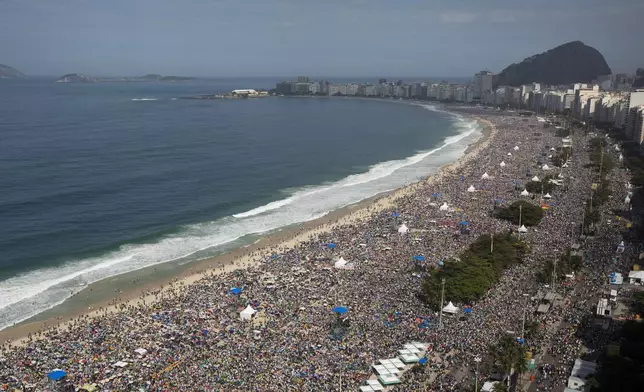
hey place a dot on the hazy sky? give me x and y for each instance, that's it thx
(311, 37)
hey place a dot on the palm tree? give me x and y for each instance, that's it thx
(510, 355)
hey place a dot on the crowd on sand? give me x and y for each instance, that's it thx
(191, 337)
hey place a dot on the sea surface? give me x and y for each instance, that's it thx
(102, 179)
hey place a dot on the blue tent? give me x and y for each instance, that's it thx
(419, 258)
(204, 332)
(340, 310)
(56, 374)
(331, 245)
(396, 215)
(520, 341)
(235, 290)
(436, 194)
(422, 361)
(464, 223)
(468, 309)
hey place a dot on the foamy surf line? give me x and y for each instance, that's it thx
(144, 99)
(27, 295)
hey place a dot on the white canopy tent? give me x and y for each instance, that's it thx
(522, 229)
(341, 263)
(547, 196)
(535, 179)
(444, 207)
(450, 308)
(516, 148)
(247, 313)
(525, 193)
(545, 167)
(471, 189)
(509, 154)
(502, 164)
(403, 229)
(485, 176)
(141, 351)
(627, 200)
(621, 157)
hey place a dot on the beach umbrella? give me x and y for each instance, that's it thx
(56, 374)
(419, 258)
(331, 245)
(545, 167)
(535, 179)
(525, 193)
(464, 223)
(396, 215)
(235, 290)
(502, 164)
(441, 263)
(340, 310)
(516, 148)
(443, 207)
(485, 176)
(547, 196)
(403, 229)
(509, 154)
(422, 361)
(436, 194)
(523, 229)
(471, 189)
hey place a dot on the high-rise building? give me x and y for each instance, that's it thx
(302, 79)
(633, 100)
(382, 81)
(416, 90)
(483, 81)
(638, 124)
(283, 88)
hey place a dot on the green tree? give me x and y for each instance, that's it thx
(510, 355)
(528, 213)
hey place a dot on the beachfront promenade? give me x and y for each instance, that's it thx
(190, 336)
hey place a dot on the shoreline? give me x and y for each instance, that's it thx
(156, 279)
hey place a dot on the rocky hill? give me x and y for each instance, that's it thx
(566, 64)
(6, 72)
(76, 78)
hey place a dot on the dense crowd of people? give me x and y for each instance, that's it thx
(193, 338)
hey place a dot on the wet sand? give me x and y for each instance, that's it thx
(108, 294)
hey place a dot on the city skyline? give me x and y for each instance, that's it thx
(222, 38)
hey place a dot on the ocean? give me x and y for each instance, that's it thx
(103, 179)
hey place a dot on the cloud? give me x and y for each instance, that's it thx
(457, 17)
(504, 16)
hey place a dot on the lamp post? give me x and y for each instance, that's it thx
(440, 311)
(477, 359)
(525, 297)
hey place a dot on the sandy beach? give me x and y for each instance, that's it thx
(143, 285)
(318, 306)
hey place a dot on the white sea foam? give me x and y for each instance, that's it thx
(26, 295)
(144, 99)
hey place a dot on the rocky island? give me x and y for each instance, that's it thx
(80, 78)
(76, 78)
(566, 64)
(6, 72)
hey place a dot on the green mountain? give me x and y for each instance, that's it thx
(566, 64)
(6, 72)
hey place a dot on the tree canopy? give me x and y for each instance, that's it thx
(476, 271)
(528, 213)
